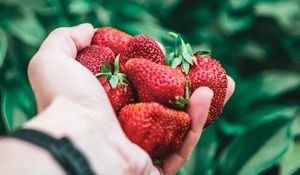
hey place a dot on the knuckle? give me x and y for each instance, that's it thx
(59, 31)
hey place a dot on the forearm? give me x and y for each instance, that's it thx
(18, 157)
(59, 119)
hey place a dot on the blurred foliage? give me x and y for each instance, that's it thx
(257, 41)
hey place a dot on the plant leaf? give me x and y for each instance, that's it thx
(189, 49)
(104, 69)
(17, 105)
(256, 150)
(3, 46)
(185, 67)
(25, 26)
(113, 81)
(116, 65)
(290, 162)
(176, 62)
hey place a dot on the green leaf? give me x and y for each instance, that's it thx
(290, 162)
(256, 150)
(258, 116)
(265, 85)
(42, 7)
(185, 67)
(113, 81)
(170, 58)
(25, 26)
(116, 65)
(189, 49)
(182, 100)
(284, 13)
(173, 34)
(234, 24)
(296, 125)
(79, 7)
(241, 5)
(3, 46)
(17, 105)
(107, 65)
(100, 74)
(104, 69)
(103, 15)
(176, 62)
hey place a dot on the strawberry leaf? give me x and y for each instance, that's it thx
(176, 62)
(180, 102)
(108, 76)
(113, 81)
(107, 66)
(185, 67)
(189, 48)
(203, 52)
(183, 51)
(187, 57)
(104, 69)
(100, 74)
(169, 59)
(174, 35)
(116, 65)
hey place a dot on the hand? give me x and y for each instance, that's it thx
(72, 102)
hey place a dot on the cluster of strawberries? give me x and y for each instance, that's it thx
(148, 92)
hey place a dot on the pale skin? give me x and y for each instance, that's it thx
(71, 102)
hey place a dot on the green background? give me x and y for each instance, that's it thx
(257, 41)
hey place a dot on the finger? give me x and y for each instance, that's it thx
(230, 88)
(68, 40)
(198, 110)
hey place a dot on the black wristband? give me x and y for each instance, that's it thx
(62, 150)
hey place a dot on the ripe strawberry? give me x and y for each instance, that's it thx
(110, 37)
(155, 128)
(204, 71)
(210, 73)
(142, 46)
(93, 56)
(116, 86)
(157, 83)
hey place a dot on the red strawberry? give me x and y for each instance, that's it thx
(157, 83)
(204, 71)
(116, 86)
(155, 128)
(142, 46)
(92, 57)
(210, 73)
(115, 39)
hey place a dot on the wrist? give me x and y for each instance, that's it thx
(81, 124)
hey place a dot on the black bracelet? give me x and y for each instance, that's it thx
(62, 150)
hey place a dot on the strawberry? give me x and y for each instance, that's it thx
(110, 37)
(157, 83)
(92, 57)
(210, 73)
(116, 86)
(201, 70)
(142, 46)
(155, 128)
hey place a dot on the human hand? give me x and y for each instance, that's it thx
(72, 102)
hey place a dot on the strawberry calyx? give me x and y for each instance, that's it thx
(181, 102)
(203, 53)
(182, 54)
(113, 77)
